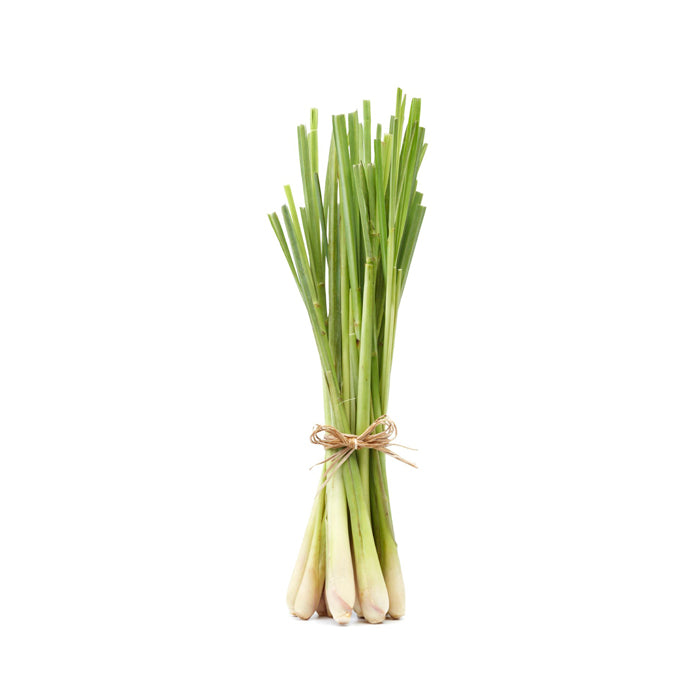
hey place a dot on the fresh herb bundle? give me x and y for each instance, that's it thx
(349, 249)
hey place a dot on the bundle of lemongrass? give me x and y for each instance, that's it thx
(349, 249)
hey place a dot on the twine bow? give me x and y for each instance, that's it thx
(332, 439)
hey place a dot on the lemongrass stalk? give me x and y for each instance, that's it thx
(311, 585)
(371, 589)
(340, 135)
(393, 292)
(389, 320)
(386, 546)
(364, 393)
(340, 582)
(353, 360)
(303, 556)
(340, 579)
(391, 568)
(330, 208)
(382, 519)
(367, 130)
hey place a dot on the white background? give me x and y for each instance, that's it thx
(159, 379)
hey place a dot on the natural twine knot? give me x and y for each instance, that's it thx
(332, 439)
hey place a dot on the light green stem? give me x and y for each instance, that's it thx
(364, 392)
(340, 581)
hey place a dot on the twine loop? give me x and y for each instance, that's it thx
(345, 443)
